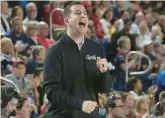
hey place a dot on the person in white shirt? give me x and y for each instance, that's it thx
(134, 86)
(105, 21)
(135, 26)
(5, 27)
(143, 34)
(31, 11)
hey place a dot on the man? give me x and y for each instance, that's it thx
(5, 27)
(31, 11)
(115, 106)
(18, 77)
(17, 35)
(9, 100)
(43, 34)
(124, 32)
(135, 26)
(72, 79)
(37, 60)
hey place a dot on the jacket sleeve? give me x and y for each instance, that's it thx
(105, 78)
(53, 67)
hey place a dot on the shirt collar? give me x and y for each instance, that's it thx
(80, 44)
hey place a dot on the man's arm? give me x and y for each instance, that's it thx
(52, 81)
(105, 78)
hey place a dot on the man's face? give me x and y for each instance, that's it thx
(20, 70)
(25, 110)
(129, 102)
(149, 48)
(11, 106)
(41, 55)
(127, 45)
(32, 32)
(78, 20)
(4, 7)
(32, 12)
(17, 26)
(118, 110)
(44, 30)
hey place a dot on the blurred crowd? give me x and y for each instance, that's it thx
(119, 26)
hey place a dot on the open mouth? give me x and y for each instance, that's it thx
(82, 24)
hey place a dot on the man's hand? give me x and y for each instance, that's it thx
(102, 64)
(24, 92)
(89, 106)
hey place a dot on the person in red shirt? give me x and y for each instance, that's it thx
(98, 28)
(57, 18)
(43, 34)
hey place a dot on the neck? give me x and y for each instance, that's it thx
(136, 91)
(17, 34)
(39, 61)
(17, 116)
(76, 38)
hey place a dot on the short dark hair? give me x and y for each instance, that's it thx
(21, 102)
(37, 72)
(67, 10)
(36, 50)
(7, 93)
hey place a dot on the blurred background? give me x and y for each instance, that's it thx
(29, 28)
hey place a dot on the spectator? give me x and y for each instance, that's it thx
(57, 19)
(23, 108)
(142, 106)
(124, 32)
(134, 86)
(143, 34)
(135, 26)
(9, 100)
(16, 34)
(43, 34)
(98, 28)
(106, 22)
(17, 11)
(103, 7)
(7, 55)
(160, 81)
(124, 48)
(118, 9)
(5, 27)
(147, 79)
(39, 91)
(31, 11)
(37, 60)
(159, 107)
(114, 106)
(32, 31)
(19, 79)
(150, 20)
(128, 101)
(124, 15)
(156, 34)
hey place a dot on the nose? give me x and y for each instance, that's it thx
(83, 14)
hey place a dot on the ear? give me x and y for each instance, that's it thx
(66, 20)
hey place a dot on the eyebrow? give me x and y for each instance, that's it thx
(80, 11)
